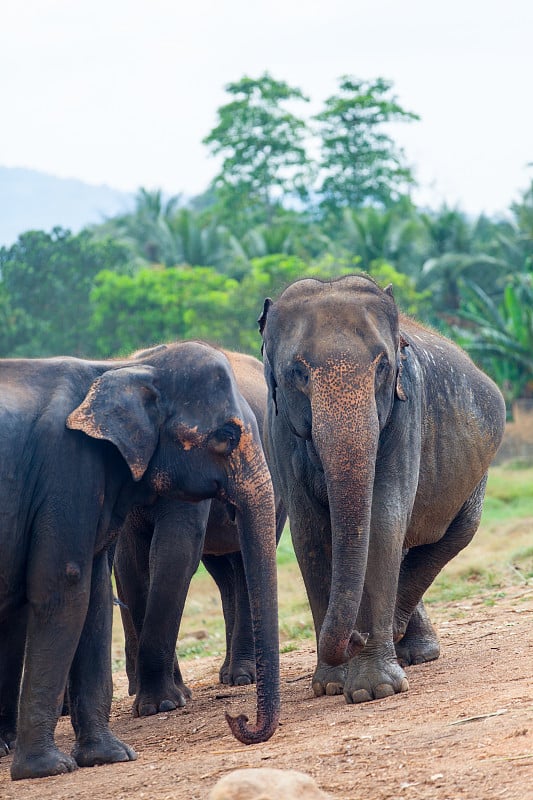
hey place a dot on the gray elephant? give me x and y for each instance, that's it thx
(157, 553)
(81, 444)
(379, 436)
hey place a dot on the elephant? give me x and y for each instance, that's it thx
(83, 442)
(379, 435)
(157, 552)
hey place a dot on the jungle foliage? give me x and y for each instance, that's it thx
(273, 214)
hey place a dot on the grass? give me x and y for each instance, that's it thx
(500, 555)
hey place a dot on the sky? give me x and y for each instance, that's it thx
(122, 92)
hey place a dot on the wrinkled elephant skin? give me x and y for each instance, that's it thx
(379, 435)
(81, 444)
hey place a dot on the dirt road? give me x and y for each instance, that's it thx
(464, 731)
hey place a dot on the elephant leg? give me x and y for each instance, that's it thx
(90, 683)
(54, 625)
(12, 641)
(220, 569)
(374, 672)
(311, 537)
(131, 568)
(227, 571)
(422, 564)
(420, 642)
(175, 552)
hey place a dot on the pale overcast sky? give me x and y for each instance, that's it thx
(122, 92)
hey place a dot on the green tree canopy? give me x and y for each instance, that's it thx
(45, 281)
(160, 305)
(262, 147)
(360, 162)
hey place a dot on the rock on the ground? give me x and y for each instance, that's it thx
(266, 784)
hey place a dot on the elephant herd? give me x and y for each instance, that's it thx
(372, 433)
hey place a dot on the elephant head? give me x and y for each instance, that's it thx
(333, 362)
(180, 423)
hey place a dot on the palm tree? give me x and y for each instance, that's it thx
(500, 336)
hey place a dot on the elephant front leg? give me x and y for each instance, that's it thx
(90, 685)
(311, 536)
(374, 673)
(175, 553)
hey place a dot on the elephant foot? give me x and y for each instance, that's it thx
(420, 642)
(238, 673)
(370, 678)
(328, 680)
(169, 698)
(104, 749)
(50, 762)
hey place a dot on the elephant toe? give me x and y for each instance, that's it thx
(170, 705)
(328, 681)
(238, 674)
(243, 680)
(358, 696)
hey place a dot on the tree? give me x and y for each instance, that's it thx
(45, 283)
(360, 162)
(453, 257)
(500, 336)
(147, 231)
(393, 234)
(160, 305)
(262, 147)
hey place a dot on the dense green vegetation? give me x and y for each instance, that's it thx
(274, 213)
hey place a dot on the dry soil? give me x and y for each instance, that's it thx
(464, 731)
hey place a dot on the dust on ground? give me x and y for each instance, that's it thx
(464, 731)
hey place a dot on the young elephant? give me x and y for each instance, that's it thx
(157, 553)
(379, 435)
(81, 443)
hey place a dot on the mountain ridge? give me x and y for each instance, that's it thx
(34, 200)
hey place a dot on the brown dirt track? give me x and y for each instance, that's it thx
(464, 731)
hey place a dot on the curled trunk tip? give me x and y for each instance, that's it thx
(252, 734)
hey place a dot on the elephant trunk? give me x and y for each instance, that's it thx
(250, 489)
(345, 435)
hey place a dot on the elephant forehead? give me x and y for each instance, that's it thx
(342, 387)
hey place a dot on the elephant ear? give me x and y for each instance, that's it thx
(122, 406)
(400, 392)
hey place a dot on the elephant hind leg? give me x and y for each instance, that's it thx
(12, 642)
(422, 564)
(420, 642)
(228, 573)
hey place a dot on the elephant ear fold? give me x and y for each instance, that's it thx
(262, 319)
(122, 406)
(400, 392)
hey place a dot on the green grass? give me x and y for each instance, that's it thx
(500, 555)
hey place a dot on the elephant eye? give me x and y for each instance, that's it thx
(382, 365)
(225, 439)
(300, 376)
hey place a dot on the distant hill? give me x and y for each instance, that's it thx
(31, 200)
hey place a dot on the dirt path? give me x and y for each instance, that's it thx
(464, 731)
